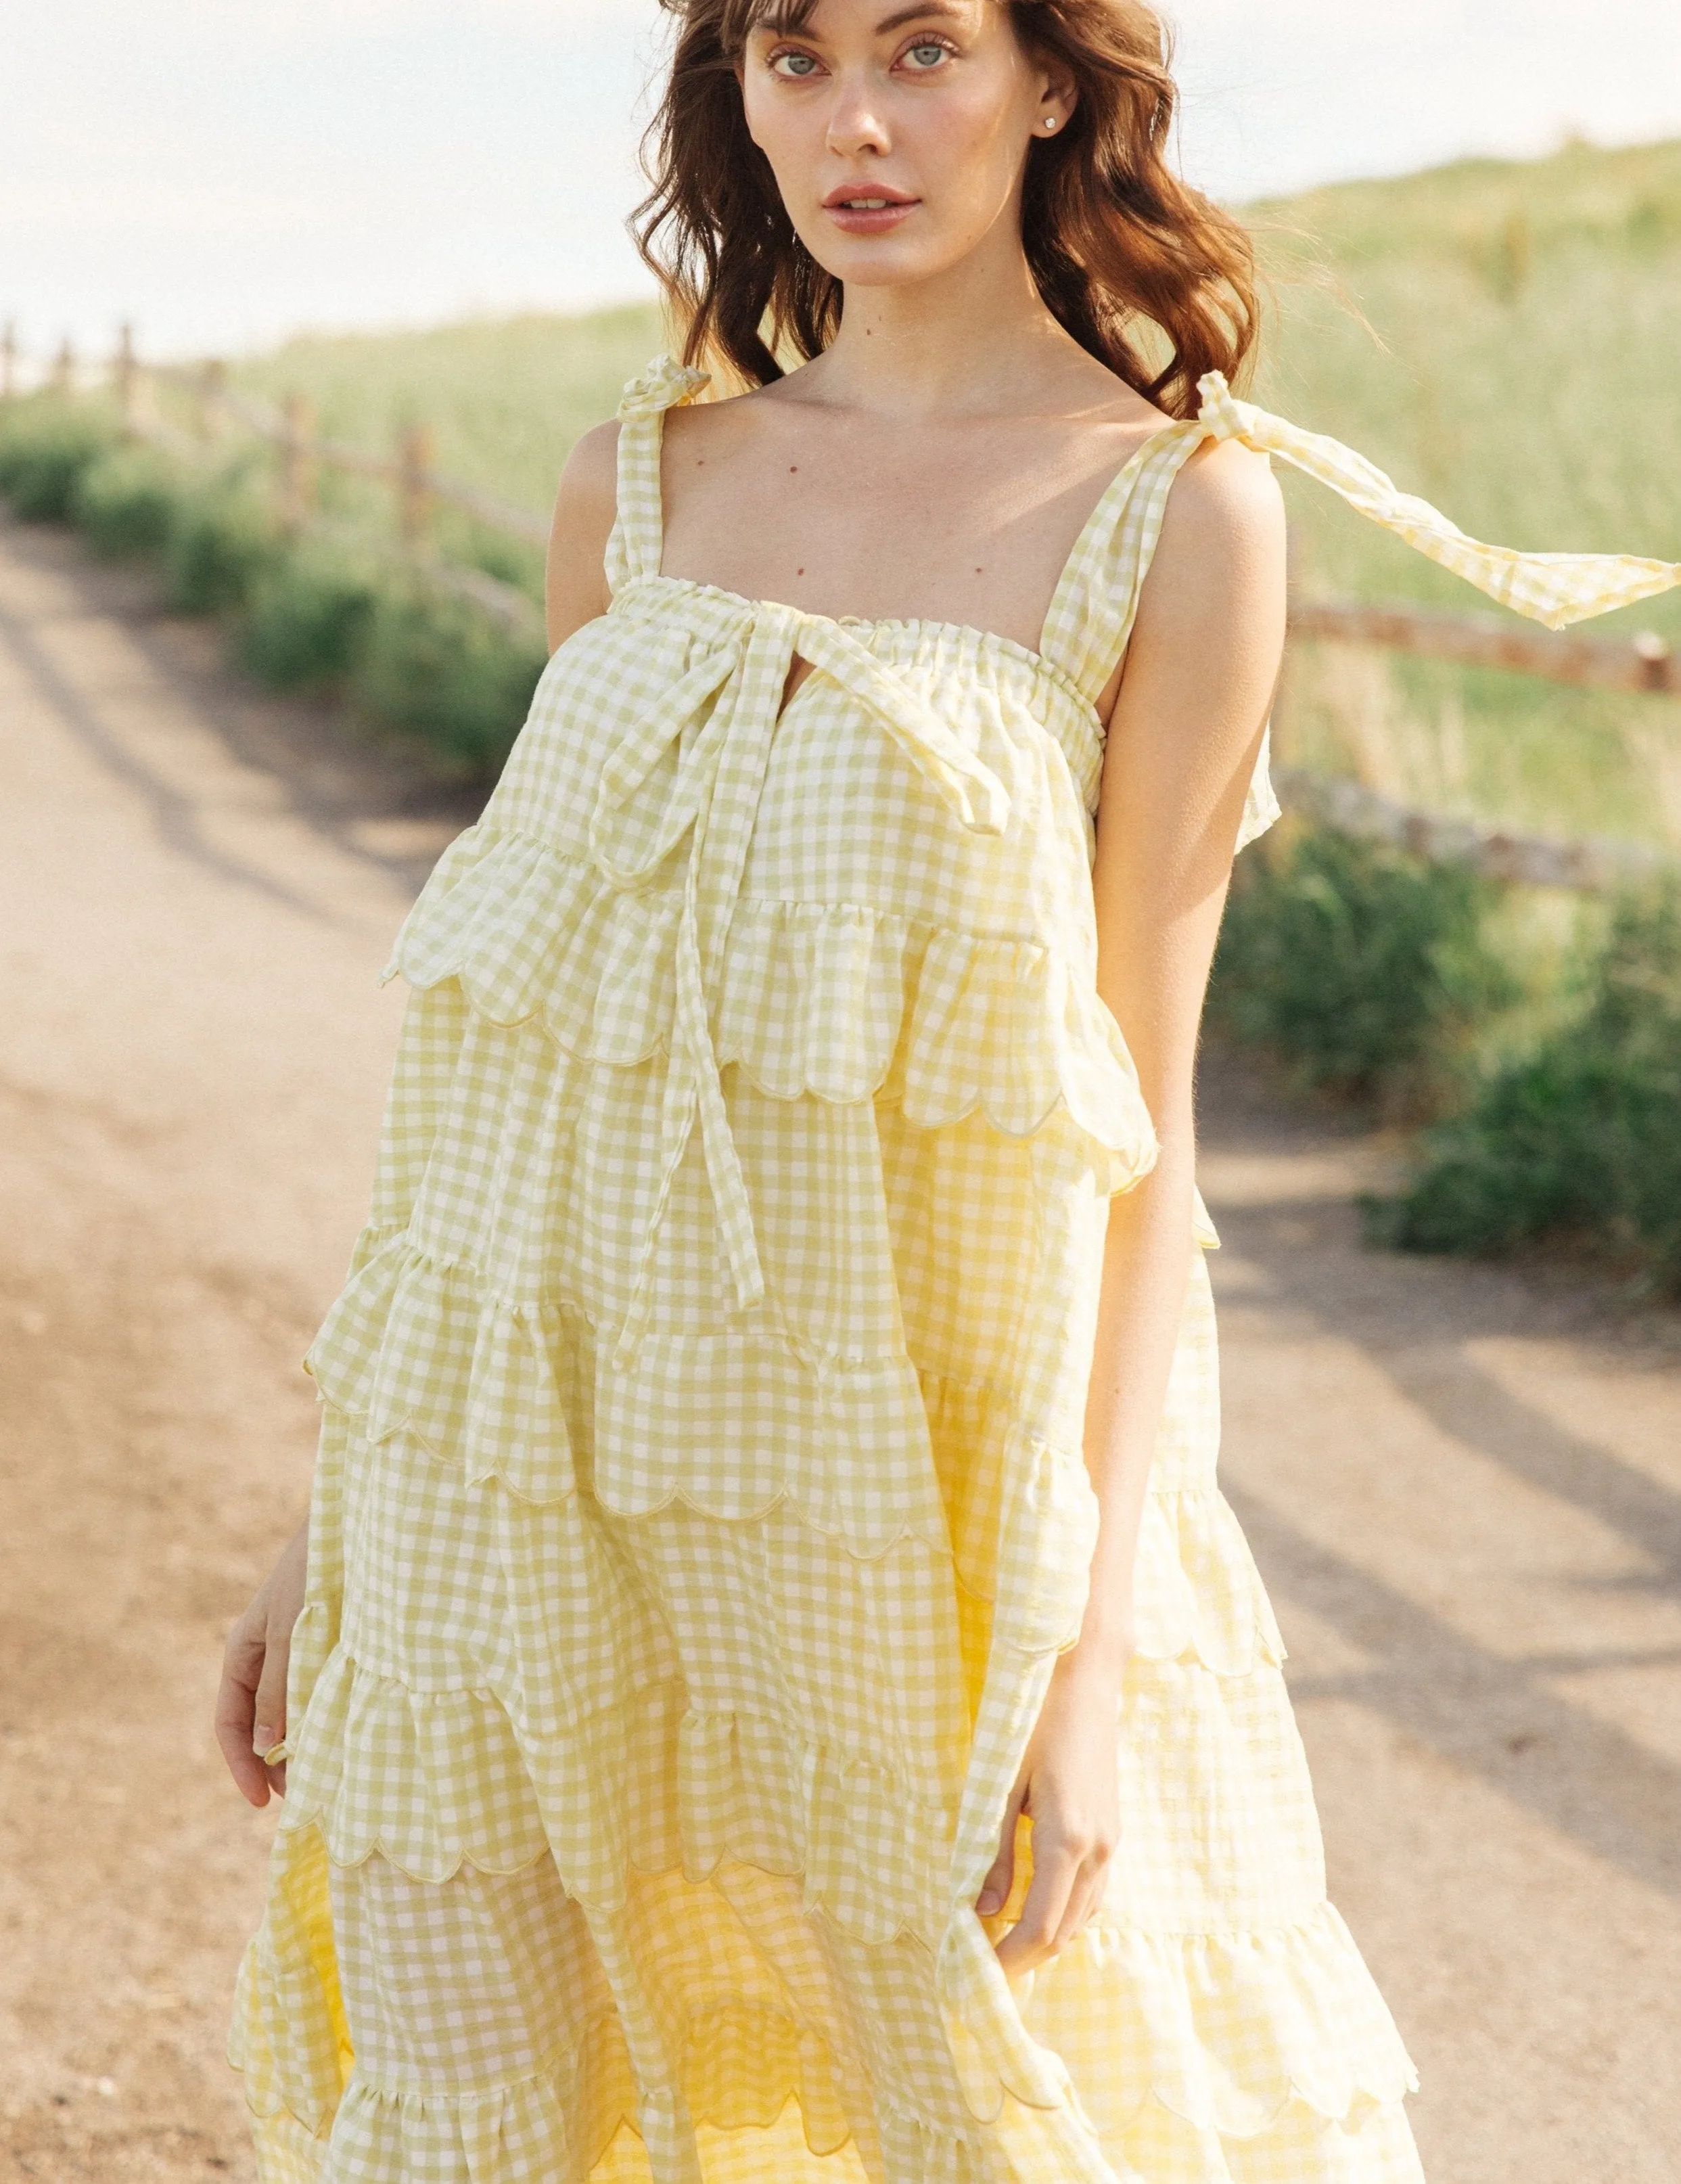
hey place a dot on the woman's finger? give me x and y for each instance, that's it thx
(236, 1714)
(268, 1725)
(1032, 1938)
(1001, 1876)
(1083, 1899)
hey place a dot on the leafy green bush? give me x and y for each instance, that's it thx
(306, 613)
(434, 665)
(1582, 1137)
(307, 617)
(222, 539)
(125, 503)
(1362, 970)
(47, 442)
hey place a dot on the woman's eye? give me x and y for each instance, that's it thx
(798, 65)
(927, 56)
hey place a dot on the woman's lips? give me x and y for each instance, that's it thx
(866, 214)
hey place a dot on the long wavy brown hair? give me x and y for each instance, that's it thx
(1132, 261)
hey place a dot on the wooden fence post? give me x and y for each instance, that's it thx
(64, 377)
(212, 382)
(125, 377)
(1656, 657)
(298, 470)
(8, 361)
(416, 461)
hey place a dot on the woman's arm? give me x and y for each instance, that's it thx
(575, 576)
(1183, 738)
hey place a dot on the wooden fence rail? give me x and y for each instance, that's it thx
(1644, 664)
(1593, 864)
(411, 469)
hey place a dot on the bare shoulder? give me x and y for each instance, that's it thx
(575, 586)
(1225, 508)
(589, 482)
(1211, 614)
(724, 422)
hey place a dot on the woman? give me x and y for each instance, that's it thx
(778, 1693)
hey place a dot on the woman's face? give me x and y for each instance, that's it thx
(897, 133)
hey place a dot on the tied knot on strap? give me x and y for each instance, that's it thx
(664, 385)
(721, 718)
(1225, 416)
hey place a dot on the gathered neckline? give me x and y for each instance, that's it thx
(1040, 662)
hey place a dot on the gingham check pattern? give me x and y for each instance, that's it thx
(700, 1505)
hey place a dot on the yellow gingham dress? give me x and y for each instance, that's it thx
(701, 1504)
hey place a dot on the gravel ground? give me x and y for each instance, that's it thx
(1463, 1484)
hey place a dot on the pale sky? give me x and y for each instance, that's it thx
(226, 171)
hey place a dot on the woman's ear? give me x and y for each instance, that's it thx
(1059, 95)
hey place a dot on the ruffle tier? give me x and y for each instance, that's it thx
(515, 1392)
(433, 1782)
(525, 1393)
(837, 1000)
(1226, 2032)
(1226, 2059)
(1197, 1594)
(518, 2136)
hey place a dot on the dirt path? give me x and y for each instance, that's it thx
(1464, 1487)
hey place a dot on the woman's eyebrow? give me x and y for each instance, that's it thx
(952, 10)
(910, 14)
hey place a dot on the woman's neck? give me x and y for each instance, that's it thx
(974, 338)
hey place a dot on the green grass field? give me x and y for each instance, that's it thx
(1502, 336)
(505, 398)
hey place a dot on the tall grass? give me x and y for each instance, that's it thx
(506, 398)
(1413, 991)
(1502, 336)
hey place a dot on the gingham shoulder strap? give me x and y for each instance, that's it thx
(638, 534)
(1090, 617)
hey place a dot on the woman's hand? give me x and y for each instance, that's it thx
(1069, 1787)
(250, 1704)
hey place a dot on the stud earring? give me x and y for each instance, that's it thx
(1050, 123)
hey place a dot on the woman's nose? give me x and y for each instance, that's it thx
(856, 120)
